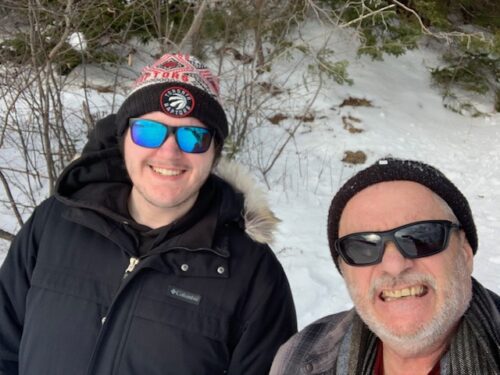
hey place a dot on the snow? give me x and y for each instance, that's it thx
(407, 119)
(77, 41)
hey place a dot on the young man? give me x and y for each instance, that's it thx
(403, 237)
(144, 261)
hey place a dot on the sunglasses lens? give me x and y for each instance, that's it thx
(147, 133)
(193, 139)
(361, 249)
(422, 239)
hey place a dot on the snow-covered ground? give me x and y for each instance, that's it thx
(406, 119)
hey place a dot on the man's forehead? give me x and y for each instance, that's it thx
(396, 202)
(393, 190)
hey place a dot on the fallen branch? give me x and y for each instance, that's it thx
(6, 235)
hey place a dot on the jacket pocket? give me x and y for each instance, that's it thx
(62, 322)
(71, 282)
(183, 318)
(169, 339)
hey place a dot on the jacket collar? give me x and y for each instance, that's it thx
(323, 356)
(101, 173)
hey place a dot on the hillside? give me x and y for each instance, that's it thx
(391, 108)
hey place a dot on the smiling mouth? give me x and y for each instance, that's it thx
(167, 172)
(398, 294)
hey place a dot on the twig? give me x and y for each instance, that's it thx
(195, 26)
(291, 134)
(6, 235)
(65, 33)
(11, 198)
(370, 14)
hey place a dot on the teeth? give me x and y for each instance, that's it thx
(389, 295)
(167, 172)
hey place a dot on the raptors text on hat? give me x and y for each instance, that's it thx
(177, 101)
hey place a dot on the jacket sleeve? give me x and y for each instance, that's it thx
(271, 320)
(15, 275)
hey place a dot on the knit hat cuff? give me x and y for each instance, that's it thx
(150, 98)
(392, 169)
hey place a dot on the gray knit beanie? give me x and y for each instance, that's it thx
(392, 169)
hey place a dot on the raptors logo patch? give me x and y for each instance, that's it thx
(177, 101)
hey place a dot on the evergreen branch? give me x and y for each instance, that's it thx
(447, 36)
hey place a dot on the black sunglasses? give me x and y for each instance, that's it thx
(414, 240)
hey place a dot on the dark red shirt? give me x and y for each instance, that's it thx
(379, 362)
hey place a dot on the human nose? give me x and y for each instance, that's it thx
(393, 262)
(170, 146)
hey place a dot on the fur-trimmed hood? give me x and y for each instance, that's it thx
(260, 221)
(99, 181)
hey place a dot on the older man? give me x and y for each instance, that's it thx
(403, 237)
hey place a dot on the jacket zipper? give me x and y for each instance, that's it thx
(133, 262)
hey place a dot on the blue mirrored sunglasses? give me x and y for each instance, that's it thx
(152, 134)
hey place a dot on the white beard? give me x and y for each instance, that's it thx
(428, 336)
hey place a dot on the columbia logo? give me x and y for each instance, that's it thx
(184, 295)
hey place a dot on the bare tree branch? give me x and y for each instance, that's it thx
(67, 29)
(12, 201)
(195, 26)
(291, 134)
(6, 235)
(370, 14)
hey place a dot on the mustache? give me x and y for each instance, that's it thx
(403, 279)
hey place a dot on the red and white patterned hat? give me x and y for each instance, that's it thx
(180, 86)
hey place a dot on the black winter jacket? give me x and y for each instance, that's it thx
(75, 298)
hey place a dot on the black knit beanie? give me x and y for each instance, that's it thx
(179, 86)
(392, 169)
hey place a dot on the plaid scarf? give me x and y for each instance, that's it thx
(475, 348)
